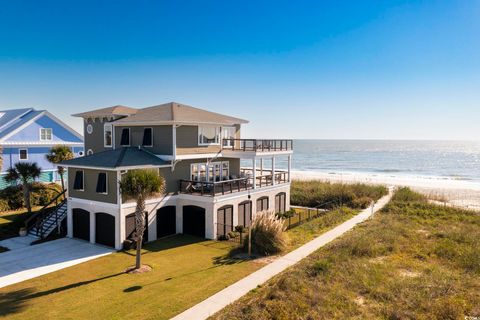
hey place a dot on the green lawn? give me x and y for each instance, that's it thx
(413, 260)
(186, 270)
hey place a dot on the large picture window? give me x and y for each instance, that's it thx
(46, 134)
(214, 171)
(107, 135)
(208, 135)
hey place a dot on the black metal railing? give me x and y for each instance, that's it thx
(210, 188)
(258, 144)
(37, 219)
(264, 177)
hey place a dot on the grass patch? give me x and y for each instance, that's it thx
(414, 260)
(331, 195)
(12, 221)
(186, 270)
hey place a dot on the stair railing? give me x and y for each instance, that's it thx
(37, 219)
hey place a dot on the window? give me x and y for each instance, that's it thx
(147, 137)
(46, 134)
(102, 183)
(280, 202)
(23, 154)
(214, 171)
(208, 135)
(228, 133)
(107, 135)
(262, 204)
(125, 140)
(80, 153)
(89, 152)
(89, 129)
(78, 182)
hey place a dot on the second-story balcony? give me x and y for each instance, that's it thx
(244, 183)
(258, 145)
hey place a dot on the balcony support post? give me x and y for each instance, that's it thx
(254, 166)
(273, 171)
(289, 167)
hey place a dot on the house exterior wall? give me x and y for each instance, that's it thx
(90, 185)
(32, 132)
(94, 140)
(162, 138)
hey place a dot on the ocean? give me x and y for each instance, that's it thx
(456, 160)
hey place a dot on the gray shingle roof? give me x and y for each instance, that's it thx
(171, 112)
(107, 112)
(118, 158)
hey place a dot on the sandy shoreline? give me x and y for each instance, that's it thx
(459, 193)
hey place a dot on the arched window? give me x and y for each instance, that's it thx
(262, 204)
(245, 213)
(224, 220)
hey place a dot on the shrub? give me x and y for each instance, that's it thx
(240, 229)
(319, 267)
(41, 195)
(267, 234)
(286, 214)
(4, 206)
(362, 203)
(223, 237)
(232, 234)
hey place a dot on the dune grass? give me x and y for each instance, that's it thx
(328, 195)
(186, 270)
(413, 260)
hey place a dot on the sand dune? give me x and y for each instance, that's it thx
(465, 194)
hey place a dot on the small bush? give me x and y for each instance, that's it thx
(41, 194)
(319, 267)
(267, 234)
(232, 234)
(4, 206)
(362, 203)
(240, 229)
(224, 237)
(286, 214)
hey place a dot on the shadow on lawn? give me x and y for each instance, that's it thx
(13, 302)
(167, 243)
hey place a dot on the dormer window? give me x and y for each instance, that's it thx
(125, 139)
(208, 135)
(46, 134)
(147, 137)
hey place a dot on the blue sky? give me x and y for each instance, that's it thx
(299, 69)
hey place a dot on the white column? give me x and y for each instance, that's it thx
(92, 227)
(69, 219)
(289, 167)
(254, 167)
(273, 171)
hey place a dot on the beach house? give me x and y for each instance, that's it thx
(215, 180)
(28, 134)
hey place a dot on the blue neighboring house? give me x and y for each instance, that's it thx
(28, 134)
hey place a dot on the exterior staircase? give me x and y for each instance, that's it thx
(49, 218)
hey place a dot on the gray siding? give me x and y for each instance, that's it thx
(187, 142)
(90, 184)
(94, 140)
(162, 138)
(182, 171)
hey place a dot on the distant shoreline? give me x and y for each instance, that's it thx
(460, 193)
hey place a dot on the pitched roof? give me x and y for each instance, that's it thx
(169, 113)
(107, 112)
(14, 119)
(118, 158)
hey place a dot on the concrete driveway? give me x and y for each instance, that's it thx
(28, 262)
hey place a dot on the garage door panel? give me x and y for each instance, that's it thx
(194, 221)
(166, 221)
(81, 224)
(105, 229)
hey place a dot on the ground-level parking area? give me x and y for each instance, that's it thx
(201, 216)
(29, 262)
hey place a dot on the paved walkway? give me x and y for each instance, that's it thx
(27, 262)
(230, 294)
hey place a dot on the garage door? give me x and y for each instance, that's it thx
(130, 227)
(81, 224)
(194, 221)
(224, 220)
(166, 224)
(105, 229)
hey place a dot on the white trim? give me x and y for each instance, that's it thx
(189, 156)
(217, 135)
(93, 202)
(181, 123)
(83, 180)
(129, 138)
(150, 201)
(89, 125)
(104, 135)
(151, 145)
(116, 168)
(253, 154)
(40, 143)
(89, 152)
(40, 134)
(19, 154)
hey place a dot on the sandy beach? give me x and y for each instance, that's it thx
(459, 193)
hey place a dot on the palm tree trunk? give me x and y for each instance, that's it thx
(139, 228)
(63, 183)
(26, 197)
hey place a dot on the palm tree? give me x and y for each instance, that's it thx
(58, 154)
(141, 184)
(25, 173)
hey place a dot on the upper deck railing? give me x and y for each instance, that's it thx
(258, 145)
